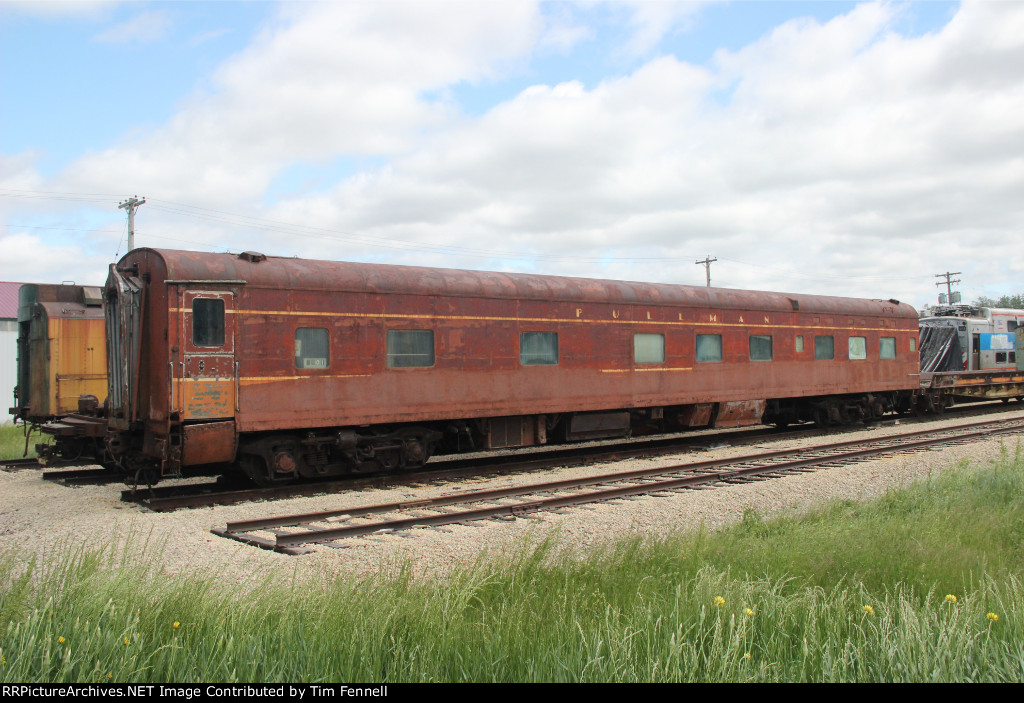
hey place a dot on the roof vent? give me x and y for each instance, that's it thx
(252, 256)
(794, 303)
(93, 295)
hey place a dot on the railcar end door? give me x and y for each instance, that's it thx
(207, 383)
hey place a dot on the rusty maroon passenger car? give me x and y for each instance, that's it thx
(294, 368)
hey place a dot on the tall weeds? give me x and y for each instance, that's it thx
(920, 585)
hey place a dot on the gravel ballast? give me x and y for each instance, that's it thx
(45, 519)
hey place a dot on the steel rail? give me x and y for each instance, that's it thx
(83, 477)
(20, 463)
(236, 530)
(492, 494)
(34, 463)
(166, 498)
(331, 534)
(175, 496)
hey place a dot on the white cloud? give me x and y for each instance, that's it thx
(838, 158)
(28, 257)
(57, 8)
(17, 171)
(142, 28)
(335, 78)
(208, 36)
(651, 21)
(839, 163)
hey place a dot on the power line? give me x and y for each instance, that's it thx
(822, 277)
(343, 236)
(60, 229)
(309, 231)
(54, 195)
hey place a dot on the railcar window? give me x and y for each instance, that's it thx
(709, 347)
(649, 348)
(312, 348)
(410, 348)
(913, 344)
(538, 348)
(858, 348)
(1000, 357)
(799, 342)
(887, 348)
(760, 347)
(824, 347)
(208, 322)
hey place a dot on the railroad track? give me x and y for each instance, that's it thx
(289, 534)
(22, 464)
(92, 476)
(224, 491)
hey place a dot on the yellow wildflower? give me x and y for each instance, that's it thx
(748, 611)
(61, 640)
(126, 640)
(993, 617)
(176, 624)
(951, 598)
(746, 656)
(869, 610)
(719, 601)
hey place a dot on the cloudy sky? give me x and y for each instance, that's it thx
(837, 148)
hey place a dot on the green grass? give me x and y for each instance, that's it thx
(12, 441)
(853, 592)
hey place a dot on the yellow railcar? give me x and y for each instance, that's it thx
(61, 350)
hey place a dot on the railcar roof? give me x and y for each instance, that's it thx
(307, 274)
(78, 311)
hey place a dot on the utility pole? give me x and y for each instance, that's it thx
(948, 283)
(131, 205)
(707, 267)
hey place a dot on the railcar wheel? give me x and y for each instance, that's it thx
(256, 468)
(71, 450)
(874, 408)
(417, 447)
(145, 475)
(820, 418)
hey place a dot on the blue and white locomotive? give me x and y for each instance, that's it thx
(986, 336)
